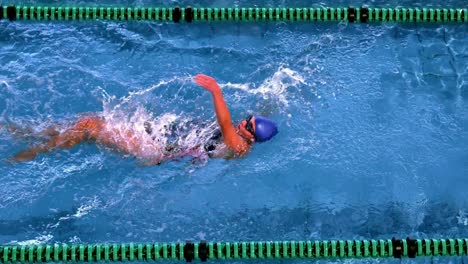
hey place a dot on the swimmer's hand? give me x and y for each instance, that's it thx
(207, 82)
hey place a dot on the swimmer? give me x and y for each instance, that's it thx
(231, 142)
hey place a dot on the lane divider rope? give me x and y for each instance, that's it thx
(203, 251)
(189, 14)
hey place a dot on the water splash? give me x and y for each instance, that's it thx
(274, 87)
(462, 218)
(109, 100)
(151, 136)
(83, 210)
(43, 239)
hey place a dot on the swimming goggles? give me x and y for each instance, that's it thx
(249, 126)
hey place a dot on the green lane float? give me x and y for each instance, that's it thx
(189, 14)
(265, 250)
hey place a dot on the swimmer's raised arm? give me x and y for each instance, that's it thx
(232, 140)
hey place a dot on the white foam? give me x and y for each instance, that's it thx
(43, 239)
(462, 218)
(82, 211)
(74, 240)
(108, 99)
(274, 87)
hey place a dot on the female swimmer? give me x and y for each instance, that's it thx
(229, 142)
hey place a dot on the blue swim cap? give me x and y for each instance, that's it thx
(265, 129)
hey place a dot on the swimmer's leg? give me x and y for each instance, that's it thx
(87, 128)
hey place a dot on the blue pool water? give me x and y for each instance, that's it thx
(373, 124)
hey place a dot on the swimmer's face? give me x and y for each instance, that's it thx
(247, 128)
